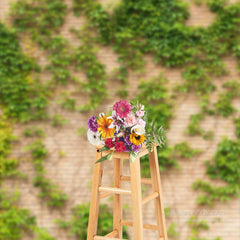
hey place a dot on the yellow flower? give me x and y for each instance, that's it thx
(137, 139)
(104, 129)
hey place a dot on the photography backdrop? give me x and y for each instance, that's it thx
(62, 61)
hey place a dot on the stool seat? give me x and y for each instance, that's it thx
(100, 192)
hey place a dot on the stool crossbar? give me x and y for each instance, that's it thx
(100, 192)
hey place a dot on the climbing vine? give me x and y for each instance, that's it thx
(54, 196)
(21, 96)
(224, 166)
(133, 29)
(78, 225)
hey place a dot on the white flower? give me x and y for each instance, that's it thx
(138, 129)
(101, 114)
(94, 138)
(141, 122)
(141, 107)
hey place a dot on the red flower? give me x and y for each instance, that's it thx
(109, 143)
(120, 147)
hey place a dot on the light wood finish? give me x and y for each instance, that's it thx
(136, 199)
(146, 226)
(150, 197)
(143, 180)
(117, 198)
(106, 238)
(114, 190)
(104, 195)
(94, 208)
(112, 234)
(155, 175)
(100, 192)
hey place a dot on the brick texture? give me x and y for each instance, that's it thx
(74, 171)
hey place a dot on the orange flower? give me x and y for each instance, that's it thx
(104, 129)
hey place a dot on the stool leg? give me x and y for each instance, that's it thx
(94, 207)
(136, 199)
(156, 183)
(117, 198)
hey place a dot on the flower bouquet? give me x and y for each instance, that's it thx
(125, 129)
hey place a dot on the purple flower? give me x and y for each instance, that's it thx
(127, 140)
(126, 148)
(136, 148)
(92, 124)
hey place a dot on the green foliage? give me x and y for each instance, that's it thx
(52, 14)
(224, 105)
(225, 166)
(168, 157)
(21, 96)
(33, 132)
(16, 221)
(194, 129)
(214, 194)
(7, 166)
(172, 232)
(237, 124)
(85, 59)
(196, 78)
(58, 120)
(154, 95)
(51, 192)
(66, 102)
(185, 151)
(196, 227)
(78, 225)
(81, 131)
(61, 54)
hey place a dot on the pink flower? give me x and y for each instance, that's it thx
(140, 113)
(122, 108)
(130, 120)
(141, 122)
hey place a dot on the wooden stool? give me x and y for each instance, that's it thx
(99, 192)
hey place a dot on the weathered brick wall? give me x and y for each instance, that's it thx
(73, 172)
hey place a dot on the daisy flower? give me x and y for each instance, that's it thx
(104, 129)
(94, 138)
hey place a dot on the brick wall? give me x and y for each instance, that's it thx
(74, 171)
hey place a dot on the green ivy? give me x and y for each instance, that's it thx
(185, 151)
(58, 120)
(33, 132)
(154, 95)
(85, 59)
(15, 222)
(21, 96)
(225, 166)
(224, 105)
(54, 196)
(78, 225)
(196, 226)
(237, 124)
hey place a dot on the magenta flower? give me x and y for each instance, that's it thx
(122, 108)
